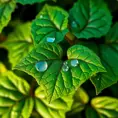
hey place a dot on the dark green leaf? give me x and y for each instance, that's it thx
(109, 58)
(31, 1)
(91, 113)
(51, 22)
(14, 100)
(18, 43)
(6, 8)
(55, 109)
(90, 18)
(112, 35)
(106, 106)
(57, 77)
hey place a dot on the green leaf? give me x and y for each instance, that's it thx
(109, 58)
(57, 77)
(107, 106)
(14, 97)
(2, 68)
(79, 103)
(18, 43)
(51, 22)
(6, 8)
(28, 107)
(32, 1)
(103, 116)
(80, 94)
(91, 113)
(112, 35)
(29, 1)
(90, 18)
(57, 108)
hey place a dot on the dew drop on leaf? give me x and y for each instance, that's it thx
(41, 16)
(41, 66)
(74, 63)
(50, 39)
(74, 24)
(65, 67)
(65, 63)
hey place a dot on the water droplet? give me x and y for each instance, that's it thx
(41, 16)
(74, 24)
(50, 39)
(65, 67)
(74, 63)
(65, 63)
(41, 66)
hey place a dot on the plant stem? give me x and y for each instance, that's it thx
(70, 38)
(32, 88)
(2, 38)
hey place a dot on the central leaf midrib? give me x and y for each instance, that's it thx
(56, 80)
(52, 20)
(86, 19)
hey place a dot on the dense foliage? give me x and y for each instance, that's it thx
(52, 53)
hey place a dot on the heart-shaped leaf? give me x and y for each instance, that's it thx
(109, 58)
(50, 25)
(90, 18)
(6, 8)
(112, 35)
(14, 97)
(57, 77)
(18, 43)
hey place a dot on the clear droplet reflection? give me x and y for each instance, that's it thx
(41, 66)
(41, 16)
(65, 67)
(50, 39)
(74, 24)
(74, 63)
